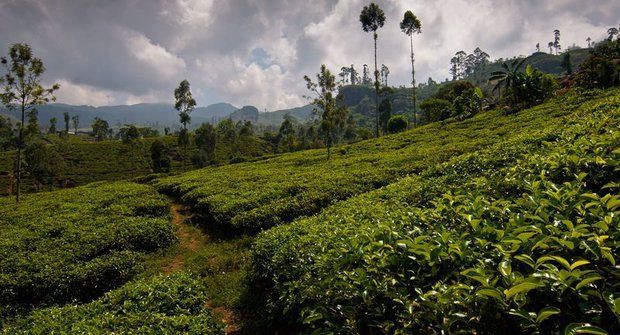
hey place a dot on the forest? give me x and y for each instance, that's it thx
(485, 203)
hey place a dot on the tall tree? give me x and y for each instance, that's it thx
(556, 41)
(550, 45)
(53, 122)
(537, 47)
(67, 121)
(411, 25)
(328, 105)
(76, 122)
(184, 104)
(22, 90)
(373, 18)
(454, 68)
(385, 72)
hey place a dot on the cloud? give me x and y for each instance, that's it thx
(257, 51)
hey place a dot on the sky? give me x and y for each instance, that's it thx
(256, 52)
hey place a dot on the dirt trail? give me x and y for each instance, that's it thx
(191, 242)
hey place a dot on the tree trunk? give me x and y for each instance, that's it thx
(19, 153)
(376, 90)
(415, 108)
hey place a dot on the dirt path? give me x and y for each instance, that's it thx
(192, 241)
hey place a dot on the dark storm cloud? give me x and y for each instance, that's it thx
(256, 52)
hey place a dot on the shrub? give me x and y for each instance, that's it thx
(160, 158)
(435, 109)
(397, 123)
(161, 305)
(76, 244)
(519, 238)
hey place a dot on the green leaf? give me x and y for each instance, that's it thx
(490, 292)
(520, 288)
(583, 328)
(546, 313)
(504, 268)
(578, 264)
(588, 281)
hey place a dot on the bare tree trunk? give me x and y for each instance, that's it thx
(19, 153)
(415, 108)
(376, 90)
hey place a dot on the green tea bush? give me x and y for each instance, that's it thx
(161, 305)
(258, 195)
(519, 238)
(75, 244)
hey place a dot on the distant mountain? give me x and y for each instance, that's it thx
(152, 114)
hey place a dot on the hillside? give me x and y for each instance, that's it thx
(85, 162)
(485, 225)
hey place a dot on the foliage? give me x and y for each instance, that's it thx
(22, 90)
(76, 244)
(184, 103)
(397, 123)
(519, 237)
(41, 163)
(100, 128)
(160, 158)
(434, 109)
(206, 141)
(331, 111)
(160, 305)
(601, 69)
(276, 190)
(469, 103)
(129, 133)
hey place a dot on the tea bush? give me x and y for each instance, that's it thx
(519, 238)
(76, 244)
(258, 195)
(160, 305)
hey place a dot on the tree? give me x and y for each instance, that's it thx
(53, 122)
(454, 68)
(206, 140)
(33, 129)
(385, 72)
(129, 133)
(329, 107)
(556, 41)
(385, 113)
(22, 90)
(100, 128)
(76, 122)
(396, 124)
(67, 120)
(184, 104)
(611, 32)
(41, 163)
(507, 76)
(550, 45)
(567, 64)
(537, 47)
(365, 75)
(411, 25)
(435, 109)
(373, 18)
(286, 135)
(160, 159)
(589, 40)
(7, 134)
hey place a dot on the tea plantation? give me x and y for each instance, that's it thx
(74, 245)
(496, 224)
(258, 195)
(519, 238)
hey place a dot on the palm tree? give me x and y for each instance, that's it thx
(507, 76)
(556, 41)
(373, 18)
(410, 25)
